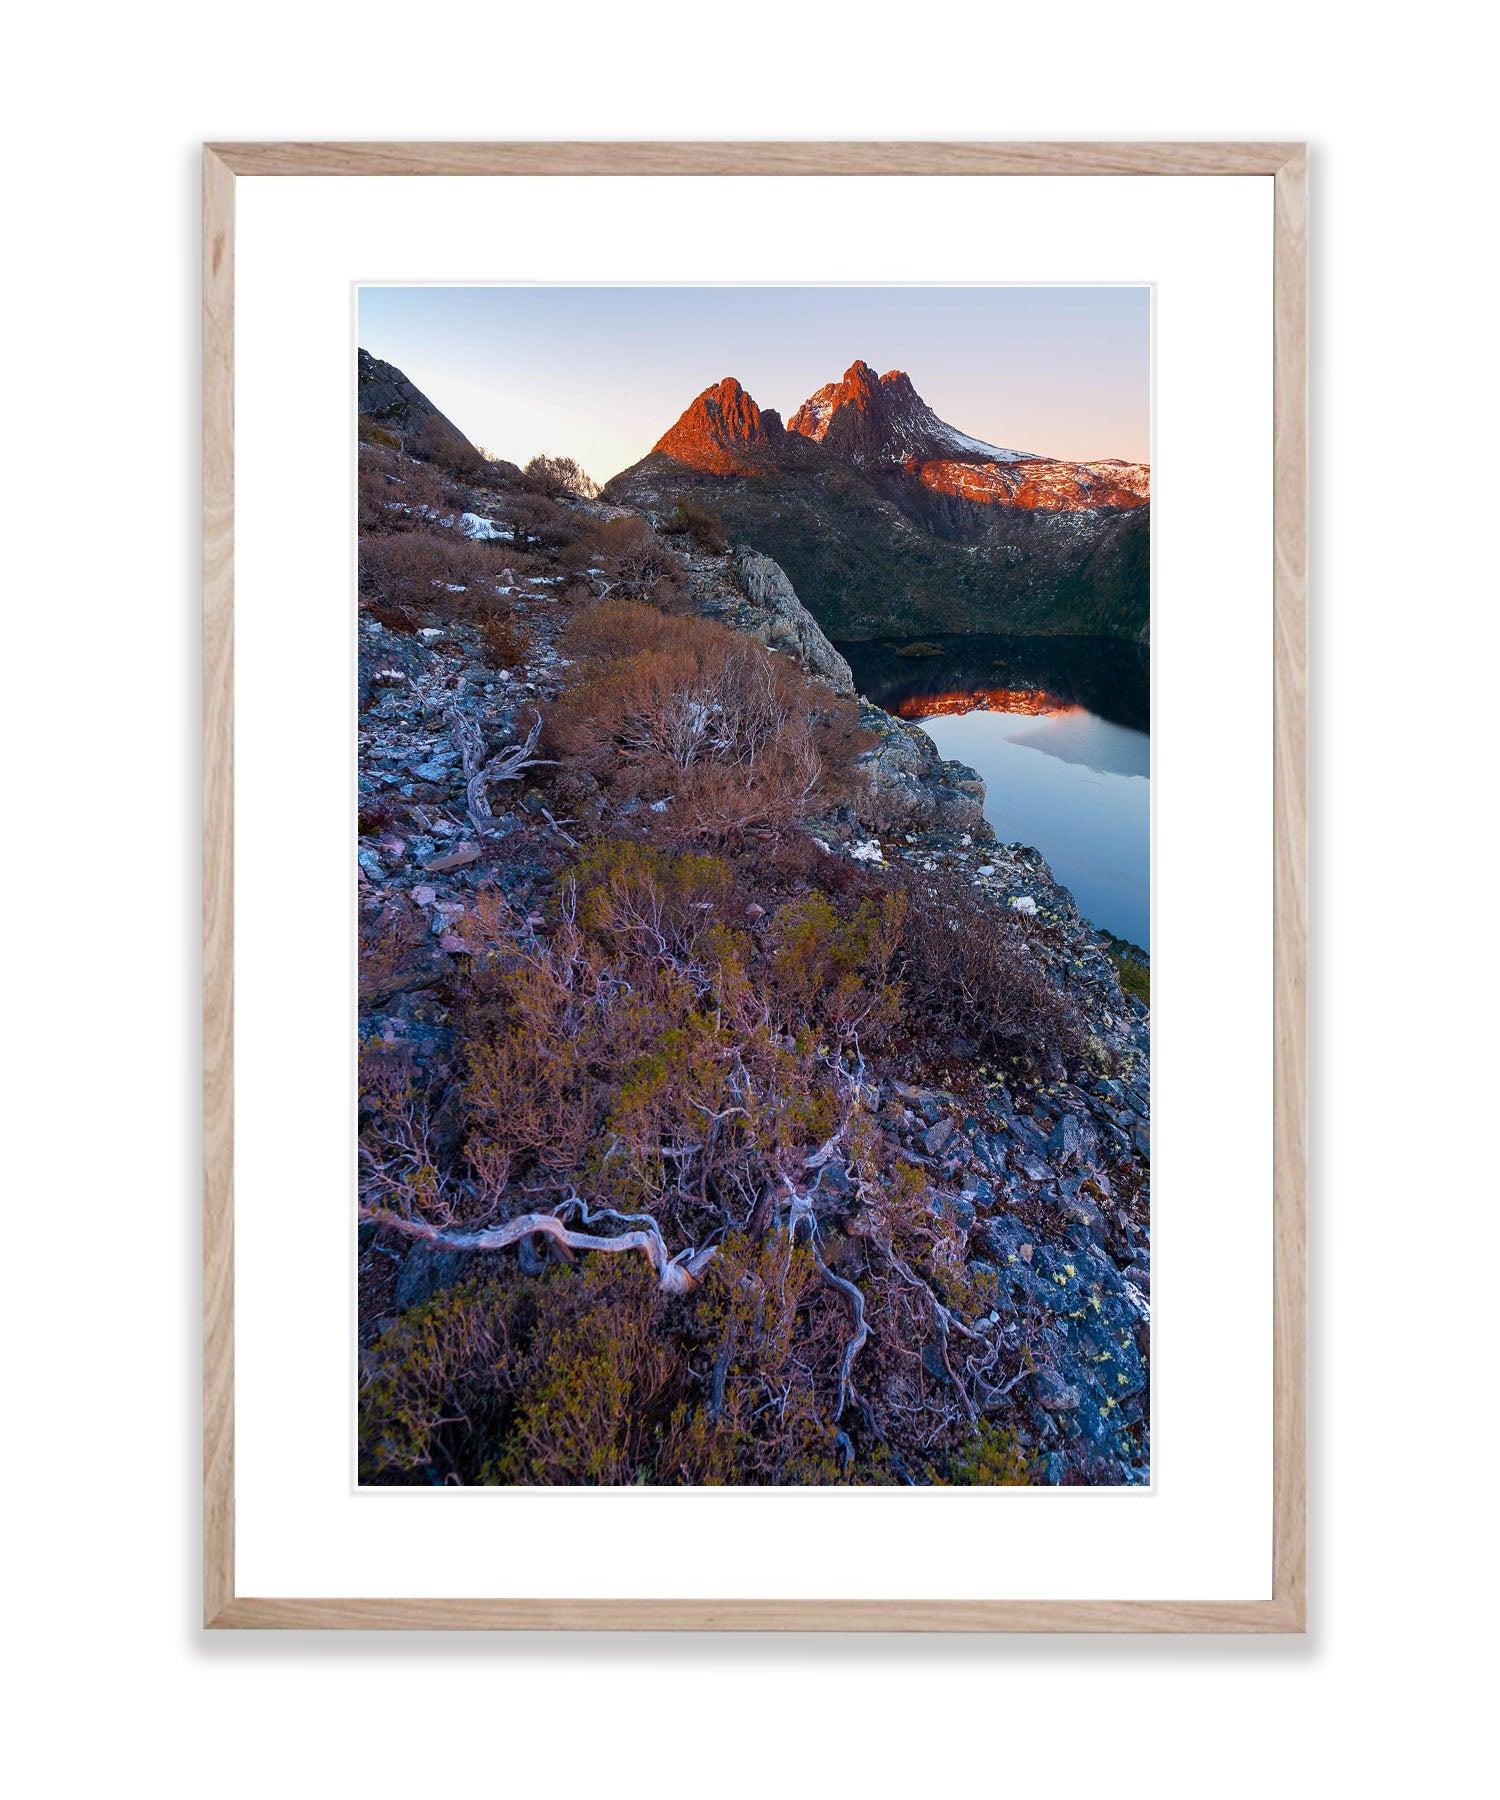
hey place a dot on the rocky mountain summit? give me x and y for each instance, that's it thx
(890, 520)
(883, 419)
(978, 1224)
(724, 432)
(876, 421)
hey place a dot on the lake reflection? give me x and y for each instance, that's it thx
(1059, 729)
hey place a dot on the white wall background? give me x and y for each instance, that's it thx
(106, 108)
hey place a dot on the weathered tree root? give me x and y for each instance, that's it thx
(859, 1333)
(802, 1212)
(944, 1321)
(683, 1274)
(678, 1274)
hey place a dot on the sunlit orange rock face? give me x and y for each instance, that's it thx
(872, 418)
(879, 421)
(1038, 485)
(1034, 701)
(723, 432)
(883, 419)
(860, 389)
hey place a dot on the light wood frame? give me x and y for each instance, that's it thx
(1285, 1611)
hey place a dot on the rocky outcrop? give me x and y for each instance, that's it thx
(750, 593)
(912, 786)
(788, 625)
(395, 404)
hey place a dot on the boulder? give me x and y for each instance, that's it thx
(1053, 1394)
(455, 859)
(935, 1140)
(427, 1271)
(1069, 1139)
(911, 783)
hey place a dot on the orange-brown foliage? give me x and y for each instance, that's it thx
(970, 977)
(397, 494)
(505, 645)
(555, 476)
(705, 528)
(453, 455)
(685, 712)
(642, 565)
(435, 570)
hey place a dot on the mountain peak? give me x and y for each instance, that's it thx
(883, 419)
(723, 431)
(881, 426)
(858, 388)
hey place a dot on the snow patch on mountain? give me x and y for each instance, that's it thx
(963, 445)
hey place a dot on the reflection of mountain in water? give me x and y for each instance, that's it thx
(1078, 736)
(1031, 675)
(1033, 701)
(1058, 729)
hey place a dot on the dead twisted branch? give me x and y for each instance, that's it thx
(479, 772)
(678, 1274)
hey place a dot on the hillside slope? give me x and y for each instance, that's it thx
(888, 520)
(733, 1107)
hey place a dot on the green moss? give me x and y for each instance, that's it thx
(993, 1457)
(1135, 977)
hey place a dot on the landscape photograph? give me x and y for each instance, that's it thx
(753, 886)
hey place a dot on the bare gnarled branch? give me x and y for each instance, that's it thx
(504, 765)
(678, 1274)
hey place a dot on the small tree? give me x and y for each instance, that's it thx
(555, 476)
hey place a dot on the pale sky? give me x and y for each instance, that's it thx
(600, 373)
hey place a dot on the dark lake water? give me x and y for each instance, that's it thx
(1060, 730)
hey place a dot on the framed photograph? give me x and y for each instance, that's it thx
(755, 886)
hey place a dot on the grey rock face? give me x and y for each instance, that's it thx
(387, 397)
(789, 626)
(912, 785)
(426, 1272)
(1067, 1140)
(1053, 1392)
(935, 1140)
